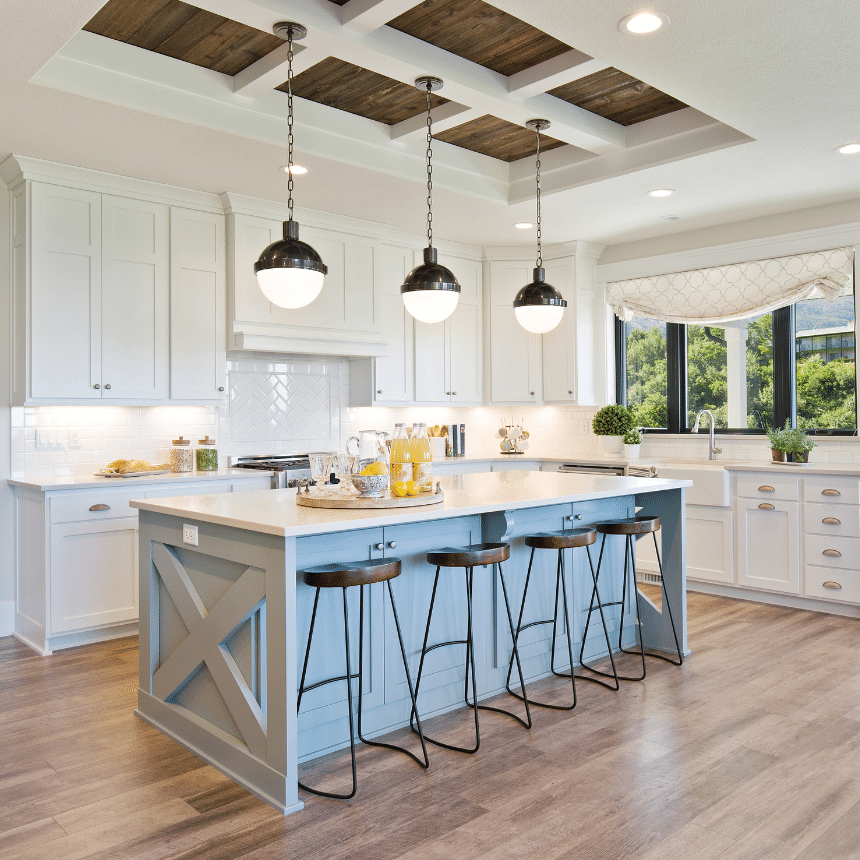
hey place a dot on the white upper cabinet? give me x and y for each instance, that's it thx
(448, 354)
(197, 305)
(559, 345)
(98, 297)
(345, 319)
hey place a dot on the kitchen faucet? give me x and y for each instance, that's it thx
(712, 451)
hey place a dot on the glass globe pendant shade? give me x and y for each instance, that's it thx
(430, 291)
(538, 306)
(290, 273)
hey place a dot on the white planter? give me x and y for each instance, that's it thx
(612, 444)
(631, 452)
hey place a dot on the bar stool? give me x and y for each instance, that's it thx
(630, 528)
(344, 576)
(469, 557)
(560, 541)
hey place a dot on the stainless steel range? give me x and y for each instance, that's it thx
(289, 469)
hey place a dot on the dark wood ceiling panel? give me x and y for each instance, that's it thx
(617, 96)
(497, 138)
(184, 32)
(347, 87)
(479, 32)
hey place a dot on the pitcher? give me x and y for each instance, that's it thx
(369, 446)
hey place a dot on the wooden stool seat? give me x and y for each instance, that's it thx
(475, 555)
(569, 539)
(630, 526)
(349, 573)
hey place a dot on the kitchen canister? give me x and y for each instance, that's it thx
(181, 455)
(207, 455)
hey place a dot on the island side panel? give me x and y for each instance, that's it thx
(657, 631)
(218, 650)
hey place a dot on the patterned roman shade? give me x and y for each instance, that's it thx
(735, 292)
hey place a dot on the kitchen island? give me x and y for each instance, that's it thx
(224, 615)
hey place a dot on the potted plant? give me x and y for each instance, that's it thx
(789, 444)
(632, 444)
(776, 439)
(610, 424)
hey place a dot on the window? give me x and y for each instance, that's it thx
(796, 363)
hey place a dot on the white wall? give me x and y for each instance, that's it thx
(6, 538)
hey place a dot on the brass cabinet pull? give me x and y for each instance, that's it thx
(831, 584)
(830, 493)
(766, 506)
(100, 507)
(832, 521)
(833, 553)
(766, 488)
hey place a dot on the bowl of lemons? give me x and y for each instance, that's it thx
(372, 481)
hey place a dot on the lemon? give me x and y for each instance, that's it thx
(413, 488)
(398, 488)
(376, 468)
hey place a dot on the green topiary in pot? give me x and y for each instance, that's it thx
(632, 437)
(612, 420)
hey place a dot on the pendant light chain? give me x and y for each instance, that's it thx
(539, 263)
(290, 122)
(429, 170)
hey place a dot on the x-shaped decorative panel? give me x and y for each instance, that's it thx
(208, 631)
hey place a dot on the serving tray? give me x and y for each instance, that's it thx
(131, 474)
(386, 500)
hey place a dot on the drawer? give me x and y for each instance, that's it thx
(192, 488)
(71, 506)
(831, 519)
(832, 584)
(831, 489)
(833, 551)
(763, 486)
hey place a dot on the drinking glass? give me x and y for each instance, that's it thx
(321, 466)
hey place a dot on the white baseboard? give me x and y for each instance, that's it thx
(7, 617)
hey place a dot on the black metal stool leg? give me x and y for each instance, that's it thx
(629, 550)
(605, 631)
(348, 678)
(308, 651)
(680, 660)
(414, 712)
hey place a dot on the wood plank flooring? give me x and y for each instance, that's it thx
(751, 750)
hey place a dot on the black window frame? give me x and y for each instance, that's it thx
(784, 382)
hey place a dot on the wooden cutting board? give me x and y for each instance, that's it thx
(309, 500)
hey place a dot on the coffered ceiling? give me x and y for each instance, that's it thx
(738, 107)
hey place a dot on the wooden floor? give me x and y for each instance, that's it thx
(751, 750)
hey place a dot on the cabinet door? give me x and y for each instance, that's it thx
(559, 345)
(393, 381)
(431, 383)
(197, 305)
(463, 331)
(768, 545)
(134, 306)
(65, 293)
(93, 574)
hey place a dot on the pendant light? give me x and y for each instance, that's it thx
(290, 272)
(430, 291)
(539, 306)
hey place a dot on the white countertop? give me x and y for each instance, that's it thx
(276, 512)
(88, 480)
(849, 470)
(528, 457)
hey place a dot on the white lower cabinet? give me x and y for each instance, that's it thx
(767, 545)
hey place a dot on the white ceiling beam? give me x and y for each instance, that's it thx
(445, 117)
(270, 71)
(548, 75)
(402, 57)
(364, 16)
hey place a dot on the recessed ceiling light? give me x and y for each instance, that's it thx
(643, 22)
(297, 170)
(523, 225)
(849, 149)
(671, 218)
(661, 192)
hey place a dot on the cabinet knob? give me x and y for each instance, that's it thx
(220, 387)
(448, 393)
(766, 488)
(766, 506)
(453, 393)
(100, 507)
(833, 553)
(830, 493)
(831, 584)
(107, 386)
(379, 546)
(379, 391)
(832, 521)
(97, 386)
(392, 544)
(532, 393)
(570, 391)
(573, 517)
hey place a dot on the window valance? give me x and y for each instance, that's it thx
(734, 292)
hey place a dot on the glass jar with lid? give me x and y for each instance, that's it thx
(207, 455)
(181, 455)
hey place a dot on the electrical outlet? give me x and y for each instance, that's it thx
(74, 438)
(189, 534)
(42, 438)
